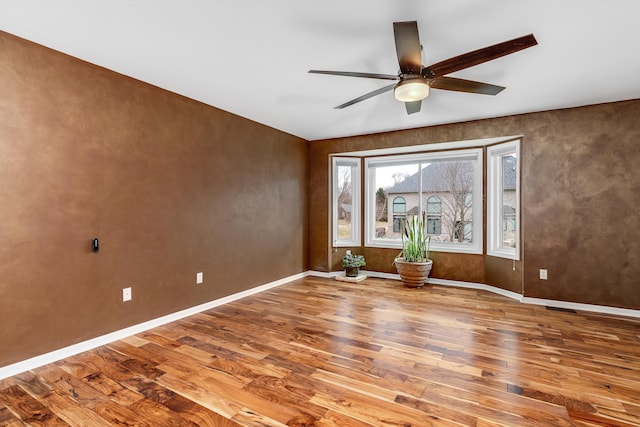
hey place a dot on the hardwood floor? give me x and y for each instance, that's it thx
(318, 352)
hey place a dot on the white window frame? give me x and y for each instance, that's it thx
(495, 200)
(370, 163)
(356, 201)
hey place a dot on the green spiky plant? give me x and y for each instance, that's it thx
(415, 241)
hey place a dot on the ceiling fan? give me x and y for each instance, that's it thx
(414, 80)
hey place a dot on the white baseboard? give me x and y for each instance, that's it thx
(583, 307)
(481, 286)
(323, 274)
(44, 359)
(510, 294)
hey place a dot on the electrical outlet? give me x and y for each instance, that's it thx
(543, 274)
(126, 294)
(199, 278)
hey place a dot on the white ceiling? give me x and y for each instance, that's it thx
(251, 57)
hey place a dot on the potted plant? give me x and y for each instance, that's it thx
(413, 263)
(352, 264)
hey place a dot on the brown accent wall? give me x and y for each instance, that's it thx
(581, 192)
(170, 186)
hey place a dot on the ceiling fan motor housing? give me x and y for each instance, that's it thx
(411, 87)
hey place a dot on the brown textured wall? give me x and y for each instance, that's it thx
(581, 189)
(503, 273)
(469, 268)
(582, 192)
(169, 185)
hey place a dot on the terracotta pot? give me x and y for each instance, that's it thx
(413, 274)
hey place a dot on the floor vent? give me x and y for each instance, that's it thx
(565, 310)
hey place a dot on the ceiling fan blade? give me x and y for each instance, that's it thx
(356, 74)
(462, 85)
(479, 56)
(367, 96)
(413, 107)
(408, 47)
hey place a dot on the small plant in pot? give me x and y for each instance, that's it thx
(413, 263)
(352, 264)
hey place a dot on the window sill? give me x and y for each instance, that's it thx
(504, 253)
(458, 249)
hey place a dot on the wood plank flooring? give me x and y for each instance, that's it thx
(318, 352)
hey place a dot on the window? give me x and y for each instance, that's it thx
(399, 214)
(346, 201)
(444, 187)
(503, 199)
(434, 213)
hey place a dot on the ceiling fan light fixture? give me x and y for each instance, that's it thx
(412, 89)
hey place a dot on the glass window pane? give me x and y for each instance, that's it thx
(345, 202)
(396, 197)
(508, 175)
(502, 200)
(438, 186)
(434, 205)
(452, 182)
(399, 205)
(346, 205)
(433, 225)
